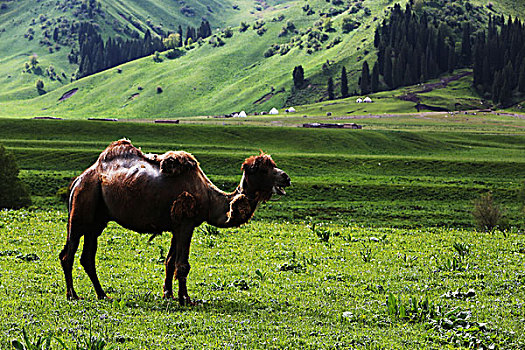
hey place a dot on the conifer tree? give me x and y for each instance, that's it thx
(521, 83)
(374, 83)
(466, 48)
(330, 89)
(344, 83)
(496, 88)
(451, 58)
(389, 81)
(365, 79)
(298, 77)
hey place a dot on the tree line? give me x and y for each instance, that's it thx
(499, 60)
(95, 55)
(412, 49)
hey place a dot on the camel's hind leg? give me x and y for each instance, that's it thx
(67, 256)
(86, 217)
(88, 260)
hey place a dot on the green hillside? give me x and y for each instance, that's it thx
(251, 70)
(26, 29)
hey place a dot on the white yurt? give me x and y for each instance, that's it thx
(273, 111)
(359, 100)
(242, 114)
(290, 110)
(367, 100)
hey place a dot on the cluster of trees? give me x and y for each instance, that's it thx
(499, 60)
(412, 49)
(95, 55)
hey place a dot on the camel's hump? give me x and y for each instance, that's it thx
(120, 149)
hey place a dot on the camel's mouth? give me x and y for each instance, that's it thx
(278, 190)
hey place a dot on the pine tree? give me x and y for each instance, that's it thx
(179, 31)
(451, 58)
(298, 77)
(389, 81)
(487, 75)
(374, 84)
(365, 79)
(496, 87)
(344, 83)
(466, 48)
(521, 83)
(424, 70)
(330, 88)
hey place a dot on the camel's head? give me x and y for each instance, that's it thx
(264, 177)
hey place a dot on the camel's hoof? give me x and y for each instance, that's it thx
(186, 301)
(73, 296)
(168, 295)
(104, 297)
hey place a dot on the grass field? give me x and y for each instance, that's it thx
(270, 285)
(373, 247)
(423, 174)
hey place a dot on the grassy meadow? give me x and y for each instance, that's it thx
(373, 247)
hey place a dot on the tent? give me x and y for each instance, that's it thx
(242, 114)
(359, 100)
(367, 100)
(290, 110)
(273, 111)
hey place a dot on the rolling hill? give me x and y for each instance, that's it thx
(250, 70)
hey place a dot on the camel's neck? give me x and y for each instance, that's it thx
(235, 208)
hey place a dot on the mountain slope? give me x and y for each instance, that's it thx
(215, 80)
(27, 29)
(211, 79)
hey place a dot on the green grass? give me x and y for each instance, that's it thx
(269, 285)
(403, 178)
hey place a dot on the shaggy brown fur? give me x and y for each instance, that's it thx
(155, 193)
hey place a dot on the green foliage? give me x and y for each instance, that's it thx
(209, 230)
(40, 343)
(40, 84)
(243, 27)
(367, 254)
(349, 24)
(330, 89)
(13, 193)
(175, 53)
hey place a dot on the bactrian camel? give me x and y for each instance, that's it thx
(151, 193)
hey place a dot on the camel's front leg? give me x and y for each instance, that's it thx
(170, 269)
(177, 262)
(183, 212)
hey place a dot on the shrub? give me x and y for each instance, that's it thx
(228, 32)
(175, 53)
(486, 213)
(40, 84)
(156, 57)
(243, 27)
(349, 24)
(13, 193)
(258, 24)
(270, 52)
(159, 89)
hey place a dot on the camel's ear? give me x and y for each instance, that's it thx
(249, 168)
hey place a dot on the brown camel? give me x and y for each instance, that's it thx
(151, 193)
